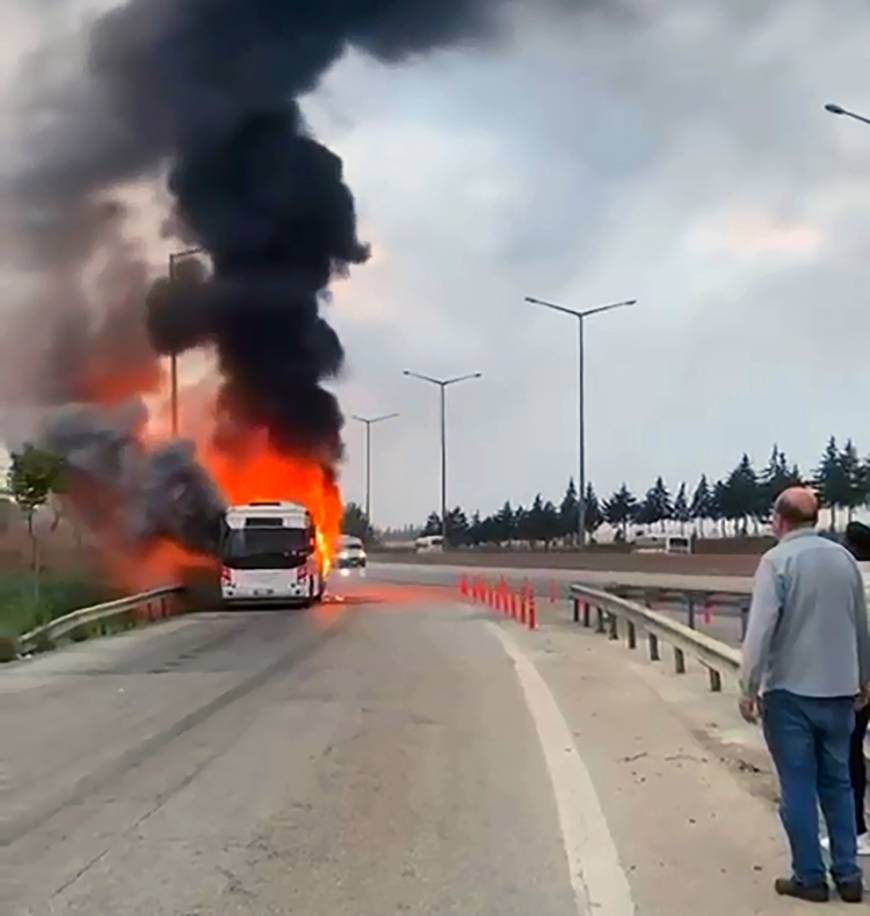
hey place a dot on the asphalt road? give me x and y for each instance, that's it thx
(369, 757)
(396, 752)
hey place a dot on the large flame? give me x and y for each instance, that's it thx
(259, 473)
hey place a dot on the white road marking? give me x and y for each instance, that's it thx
(599, 881)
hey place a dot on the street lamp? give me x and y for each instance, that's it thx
(369, 423)
(174, 258)
(443, 384)
(839, 110)
(580, 315)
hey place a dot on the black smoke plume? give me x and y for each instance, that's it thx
(208, 90)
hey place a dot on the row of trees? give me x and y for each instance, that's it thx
(736, 504)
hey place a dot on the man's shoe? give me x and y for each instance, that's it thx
(863, 844)
(851, 891)
(814, 893)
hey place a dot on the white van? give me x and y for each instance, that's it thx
(663, 543)
(269, 555)
(433, 543)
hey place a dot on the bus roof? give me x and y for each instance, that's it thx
(293, 515)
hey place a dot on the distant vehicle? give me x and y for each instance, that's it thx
(269, 555)
(429, 544)
(351, 555)
(663, 543)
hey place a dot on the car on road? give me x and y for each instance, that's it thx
(351, 555)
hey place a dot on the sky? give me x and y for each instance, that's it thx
(674, 152)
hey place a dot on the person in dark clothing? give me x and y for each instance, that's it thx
(857, 542)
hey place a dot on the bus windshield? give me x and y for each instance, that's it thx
(265, 548)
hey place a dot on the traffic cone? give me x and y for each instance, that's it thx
(463, 587)
(533, 612)
(708, 613)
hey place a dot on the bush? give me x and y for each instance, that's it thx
(59, 594)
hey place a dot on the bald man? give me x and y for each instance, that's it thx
(807, 656)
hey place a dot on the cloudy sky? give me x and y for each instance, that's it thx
(676, 152)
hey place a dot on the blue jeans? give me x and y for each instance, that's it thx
(808, 738)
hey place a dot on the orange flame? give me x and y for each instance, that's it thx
(261, 473)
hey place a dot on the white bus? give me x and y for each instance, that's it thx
(269, 555)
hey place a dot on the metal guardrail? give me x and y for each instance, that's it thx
(152, 605)
(694, 599)
(610, 609)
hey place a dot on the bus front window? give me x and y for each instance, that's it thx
(265, 548)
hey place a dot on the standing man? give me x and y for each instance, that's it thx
(807, 656)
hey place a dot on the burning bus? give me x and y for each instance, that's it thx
(269, 555)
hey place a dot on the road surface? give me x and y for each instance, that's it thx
(395, 752)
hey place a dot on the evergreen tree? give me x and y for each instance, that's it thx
(831, 481)
(457, 527)
(657, 506)
(853, 474)
(433, 525)
(620, 509)
(594, 518)
(550, 523)
(718, 505)
(775, 478)
(741, 495)
(702, 504)
(682, 513)
(569, 512)
(355, 523)
(505, 527)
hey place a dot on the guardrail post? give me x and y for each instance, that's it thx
(654, 648)
(614, 626)
(576, 610)
(632, 636)
(679, 661)
(600, 625)
(587, 611)
(690, 602)
(715, 680)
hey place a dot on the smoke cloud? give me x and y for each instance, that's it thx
(207, 92)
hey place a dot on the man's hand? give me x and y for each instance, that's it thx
(749, 709)
(863, 698)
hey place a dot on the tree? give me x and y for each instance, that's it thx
(457, 527)
(831, 481)
(718, 504)
(657, 506)
(775, 478)
(593, 518)
(702, 504)
(505, 524)
(433, 525)
(33, 477)
(569, 511)
(682, 512)
(853, 473)
(741, 495)
(551, 523)
(620, 509)
(355, 523)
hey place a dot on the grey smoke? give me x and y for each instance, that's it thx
(126, 494)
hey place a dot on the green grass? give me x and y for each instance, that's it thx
(60, 593)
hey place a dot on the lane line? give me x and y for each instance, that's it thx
(597, 877)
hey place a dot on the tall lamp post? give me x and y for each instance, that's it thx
(443, 385)
(580, 315)
(369, 423)
(839, 110)
(174, 258)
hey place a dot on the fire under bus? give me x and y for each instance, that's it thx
(269, 555)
